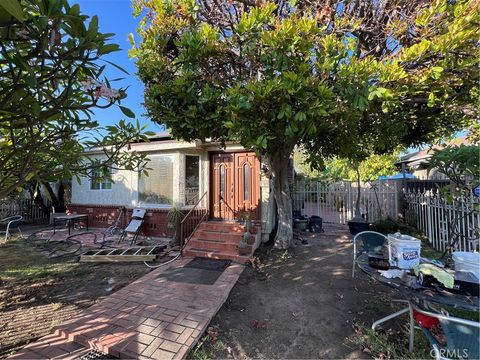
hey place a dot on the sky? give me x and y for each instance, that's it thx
(115, 16)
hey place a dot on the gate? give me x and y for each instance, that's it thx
(335, 202)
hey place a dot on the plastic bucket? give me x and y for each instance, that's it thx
(467, 262)
(404, 251)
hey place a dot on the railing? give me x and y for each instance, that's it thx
(191, 221)
(228, 206)
(30, 211)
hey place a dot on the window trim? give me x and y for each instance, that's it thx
(200, 182)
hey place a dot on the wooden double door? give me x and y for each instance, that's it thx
(235, 185)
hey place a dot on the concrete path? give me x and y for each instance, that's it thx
(155, 317)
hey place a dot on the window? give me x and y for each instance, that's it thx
(99, 182)
(246, 182)
(157, 187)
(192, 179)
(221, 171)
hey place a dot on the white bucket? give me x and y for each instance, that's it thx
(404, 251)
(467, 262)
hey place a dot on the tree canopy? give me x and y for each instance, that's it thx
(340, 78)
(51, 67)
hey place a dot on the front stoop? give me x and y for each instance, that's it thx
(152, 318)
(219, 240)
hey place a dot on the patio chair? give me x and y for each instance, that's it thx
(462, 336)
(133, 228)
(11, 223)
(368, 241)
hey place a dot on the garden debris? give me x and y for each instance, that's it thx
(258, 324)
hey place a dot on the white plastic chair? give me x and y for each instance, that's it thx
(11, 223)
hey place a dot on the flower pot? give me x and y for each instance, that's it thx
(356, 226)
(243, 248)
(300, 224)
(248, 238)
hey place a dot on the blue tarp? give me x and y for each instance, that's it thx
(397, 176)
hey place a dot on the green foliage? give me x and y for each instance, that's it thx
(50, 70)
(461, 164)
(272, 76)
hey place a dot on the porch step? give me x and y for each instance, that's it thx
(214, 245)
(216, 255)
(219, 240)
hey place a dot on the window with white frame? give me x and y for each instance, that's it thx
(157, 187)
(98, 181)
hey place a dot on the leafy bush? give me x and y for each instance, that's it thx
(389, 226)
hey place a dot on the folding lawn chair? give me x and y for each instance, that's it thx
(461, 337)
(133, 228)
(10, 223)
(365, 242)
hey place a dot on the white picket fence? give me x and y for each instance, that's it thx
(30, 211)
(335, 202)
(437, 219)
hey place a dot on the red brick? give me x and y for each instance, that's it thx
(145, 339)
(135, 347)
(145, 329)
(152, 347)
(189, 323)
(175, 328)
(182, 353)
(162, 355)
(183, 338)
(170, 346)
(168, 335)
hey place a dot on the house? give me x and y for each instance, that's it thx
(417, 163)
(224, 182)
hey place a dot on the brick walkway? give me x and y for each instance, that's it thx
(152, 318)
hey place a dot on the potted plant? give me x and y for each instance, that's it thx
(174, 218)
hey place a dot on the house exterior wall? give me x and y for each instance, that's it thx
(103, 205)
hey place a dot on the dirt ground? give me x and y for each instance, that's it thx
(300, 304)
(37, 293)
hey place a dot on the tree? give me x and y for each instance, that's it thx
(51, 64)
(339, 78)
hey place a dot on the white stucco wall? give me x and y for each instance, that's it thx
(124, 190)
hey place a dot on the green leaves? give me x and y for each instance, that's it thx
(14, 8)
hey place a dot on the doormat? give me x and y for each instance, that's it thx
(208, 264)
(191, 275)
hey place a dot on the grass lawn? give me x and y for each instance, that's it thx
(37, 293)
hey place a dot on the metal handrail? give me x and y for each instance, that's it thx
(186, 217)
(233, 211)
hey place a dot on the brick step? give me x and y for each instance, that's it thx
(216, 235)
(208, 245)
(223, 227)
(216, 255)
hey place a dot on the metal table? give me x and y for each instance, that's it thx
(420, 295)
(70, 219)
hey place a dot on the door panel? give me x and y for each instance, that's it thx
(223, 185)
(236, 180)
(247, 187)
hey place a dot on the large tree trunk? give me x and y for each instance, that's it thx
(281, 192)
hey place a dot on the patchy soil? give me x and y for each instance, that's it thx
(37, 293)
(304, 304)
